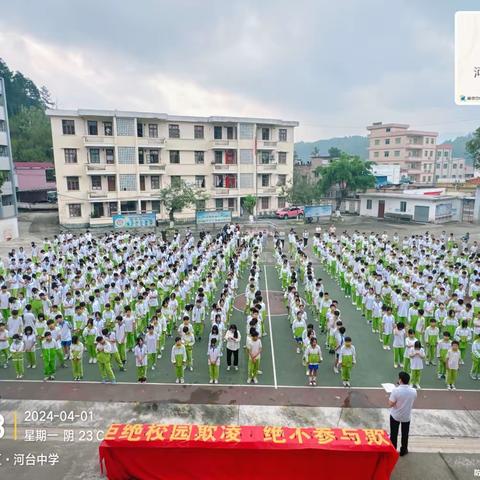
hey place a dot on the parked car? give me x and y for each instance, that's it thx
(289, 212)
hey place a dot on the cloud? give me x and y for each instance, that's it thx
(334, 66)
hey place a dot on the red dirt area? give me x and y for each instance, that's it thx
(275, 301)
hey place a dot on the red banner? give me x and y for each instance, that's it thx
(178, 452)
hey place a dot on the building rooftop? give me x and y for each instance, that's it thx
(167, 117)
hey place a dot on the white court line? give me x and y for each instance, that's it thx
(220, 385)
(270, 327)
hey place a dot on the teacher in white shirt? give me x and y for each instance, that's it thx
(401, 403)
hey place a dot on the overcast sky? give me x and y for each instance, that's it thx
(335, 66)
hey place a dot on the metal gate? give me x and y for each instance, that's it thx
(421, 214)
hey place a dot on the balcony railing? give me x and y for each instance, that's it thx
(221, 142)
(97, 194)
(266, 166)
(155, 166)
(99, 166)
(268, 189)
(224, 166)
(98, 139)
(267, 143)
(157, 141)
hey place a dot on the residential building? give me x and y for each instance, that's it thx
(8, 202)
(307, 169)
(34, 180)
(111, 162)
(450, 169)
(412, 150)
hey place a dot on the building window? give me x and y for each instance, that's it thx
(75, 210)
(217, 133)
(232, 204)
(142, 183)
(246, 131)
(73, 183)
(454, 166)
(397, 153)
(265, 180)
(198, 132)
(375, 154)
(265, 203)
(96, 182)
(200, 181)
(3, 128)
(156, 206)
(128, 206)
(200, 205)
(387, 141)
(128, 182)
(282, 158)
(231, 133)
(282, 180)
(218, 157)
(387, 129)
(403, 207)
(377, 142)
(174, 156)
(199, 157)
(111, 183)
(369, 204)
(68, 127)
(108, 129)
(155, 182)
(94, 154)
(219, 204)
(246, 180)
(7, 200)
(397, 140)
(92, 127)
(386, 154)
(125, 127)
(282, 134)
(176, 181)
(153, 130)
(110, 155)
(126, 155)
(113, 208)
(70, 155)
(139, 129)
(174, 131)
(154, 157)
(265, 133)
(281, 202)
(445, 165)
(50, 174)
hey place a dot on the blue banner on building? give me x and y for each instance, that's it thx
(144, 220)
(313, 211)
(214, 216)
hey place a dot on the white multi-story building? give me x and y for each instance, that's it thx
(450, 169)
(110, 162)
(8, 203)
(412, 150)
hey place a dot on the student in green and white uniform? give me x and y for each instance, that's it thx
(188, 339)
(463, 334)
(178, 358)
(431, 335)
(90, 334)
(103, 359)
(313, 357)
(398, 344)
(198, 319)
(121, 339)
(417, 355)
(452, 363)
(49, 354)
(346, 360)
(76, 354)
(151, 343)
(442, 348)
(475, 371)
(4, 345)
(141, 360)
(214, 353)
(30, 341)
(17, 349)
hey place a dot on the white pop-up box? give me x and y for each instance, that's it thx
(467, 58)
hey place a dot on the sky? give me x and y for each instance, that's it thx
(334, 66)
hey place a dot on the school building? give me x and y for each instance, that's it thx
(111, 162)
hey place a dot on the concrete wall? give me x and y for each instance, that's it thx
(8, 229)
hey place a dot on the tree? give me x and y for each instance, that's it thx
(249, 203)
(315, 151)
(334, 152)
(179, 196)
(31, 136)
(472, 147)
(348, 174)
(302, 190)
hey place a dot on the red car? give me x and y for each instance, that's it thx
(289, 212)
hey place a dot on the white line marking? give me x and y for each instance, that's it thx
(270, 327)
(219, 385)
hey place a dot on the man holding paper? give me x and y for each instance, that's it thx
(401, 403)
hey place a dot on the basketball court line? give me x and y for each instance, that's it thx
(270, 328)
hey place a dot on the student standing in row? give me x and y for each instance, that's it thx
(141, 360)
(76, 352)
(232, 339)
(254, 348)
(178, 358)
(313, 357)
(214, 353)
(347, 358)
